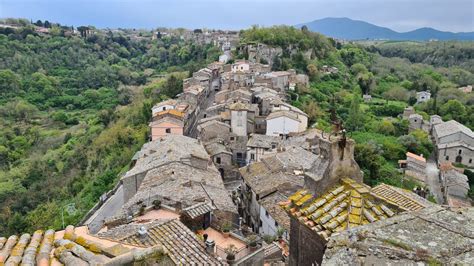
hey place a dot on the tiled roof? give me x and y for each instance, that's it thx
(165, 102)
(167, 119)
(262, 141)
(404, 199)
(451, 127)
(183, 245)
(68, 248)
(178, 184)
(271, 203)
(167, 149)
(416, 157)
(349, 204)
(198, 209)
(172, 112)
(216, 148)
(239, 106)
(281, 113)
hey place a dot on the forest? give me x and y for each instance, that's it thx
(73, 111)
(75, 108)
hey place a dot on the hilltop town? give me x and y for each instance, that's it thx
(233, 173)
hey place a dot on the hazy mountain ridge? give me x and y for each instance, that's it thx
(345, 28)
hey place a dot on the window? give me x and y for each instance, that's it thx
(164, 108)
(168, 130)
(232, 138)
(447, 158)
(415, 120)
(276, 224)
(266, 213)
(252, 156)
(460, 151)
(260, 223)
(273, 146)
(470, 160)
(218, 160)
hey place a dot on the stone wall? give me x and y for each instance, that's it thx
(306, 247)
(340, 159)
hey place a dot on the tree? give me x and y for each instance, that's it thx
(312, 71)
(173, 86)
(397, 94)
(312, 109)
(47, 24)
(9, 82)
(355, 116)
(39, 23)
(386, 127)
(453, 109)
(83, 30)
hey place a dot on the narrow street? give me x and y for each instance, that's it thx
(209, 100)
(432, 174)
(109, 208)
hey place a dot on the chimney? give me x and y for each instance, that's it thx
(142, 233)
(210, 244)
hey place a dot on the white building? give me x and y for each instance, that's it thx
(238, 120)
(423, 96)
(282, 123)
(240, 66)
(279, 105)
(225, 57)
(163, 106)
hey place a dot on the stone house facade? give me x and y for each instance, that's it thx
(454, 143)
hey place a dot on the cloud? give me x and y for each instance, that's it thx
(400, 15)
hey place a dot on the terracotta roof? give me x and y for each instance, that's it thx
(167, 119)
(416, 157)
(347, 205)
(402, 198)
(183, 245)
(171, 112)
(68, 248)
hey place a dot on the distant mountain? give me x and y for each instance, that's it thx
(345, 28)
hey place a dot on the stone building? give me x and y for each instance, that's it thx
(282, 173)
(260, 146)
(221, 157)
(177, 171)
(239, 119)
(414, 166)
(454, 143)
(455, 187)
(213, 129)
(423, 96)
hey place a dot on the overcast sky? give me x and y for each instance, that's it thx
(400, 15)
